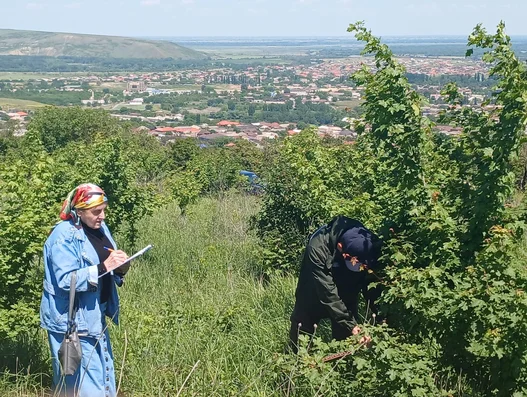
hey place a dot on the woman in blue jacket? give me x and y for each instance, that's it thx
(83, 243)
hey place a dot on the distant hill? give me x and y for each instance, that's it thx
(31, 43)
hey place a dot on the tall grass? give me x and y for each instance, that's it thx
(195, 307)
(25, 366)
(196, 319)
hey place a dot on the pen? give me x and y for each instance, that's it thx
(138, 253)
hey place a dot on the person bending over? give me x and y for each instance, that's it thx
(334, 271)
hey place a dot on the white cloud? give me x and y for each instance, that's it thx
(187, 2)
(34, 6)
(148, 3)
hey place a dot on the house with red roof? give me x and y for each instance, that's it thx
(190, 131)
(227, 123)
(17, 116)
(165, 130)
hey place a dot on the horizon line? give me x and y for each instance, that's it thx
(340, 35)
(306, 36)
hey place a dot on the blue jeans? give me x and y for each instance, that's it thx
(95, 377)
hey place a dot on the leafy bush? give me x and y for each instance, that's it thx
(454, 278)
(183, 187)
(387, 366)
(33, 184)
(27, 210)
(56, 127)
(308, 182)
(217, 169)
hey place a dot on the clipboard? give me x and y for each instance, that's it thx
(137, 254)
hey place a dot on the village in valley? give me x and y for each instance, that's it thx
(272, 198)
(227, 102)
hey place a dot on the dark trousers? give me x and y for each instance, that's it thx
(305, 324)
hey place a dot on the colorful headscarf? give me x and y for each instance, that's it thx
(83, 197)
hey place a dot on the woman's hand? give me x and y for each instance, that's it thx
(114, 260)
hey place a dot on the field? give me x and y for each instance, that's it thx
(111, 86)
(114, 107)
(206, 111)
(126, 105)
(177, 87)
(348, 104)
(9, 103)
(244, 59)
(195, 300)
(333, 47)
(209, 306)
(35, 76)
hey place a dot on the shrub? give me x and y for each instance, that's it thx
(453, 277)
(27, 210)
(387, 366)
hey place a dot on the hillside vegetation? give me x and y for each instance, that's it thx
(32, 43)
(205, 313)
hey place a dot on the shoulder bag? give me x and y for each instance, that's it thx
(70, 352)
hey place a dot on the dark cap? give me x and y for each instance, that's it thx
(361, 243)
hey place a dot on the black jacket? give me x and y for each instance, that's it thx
(328, 291)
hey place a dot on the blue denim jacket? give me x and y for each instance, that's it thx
(67, 249)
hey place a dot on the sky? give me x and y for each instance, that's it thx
(144, 18)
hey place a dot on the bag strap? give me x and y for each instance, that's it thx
(71, 314)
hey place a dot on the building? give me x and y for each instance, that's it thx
(136, 101)
(17, 115)
(93, 101)
(227, 123)
(136, 86)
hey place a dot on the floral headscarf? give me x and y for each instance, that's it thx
(84, 196)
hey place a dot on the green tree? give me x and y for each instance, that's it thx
(56, 127)
(181, 151)
(454, 274)
(27, 212)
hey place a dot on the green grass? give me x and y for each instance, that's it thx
(191, 87)
(348, 104)
(194, 306)
(196, 298)
(7, 103)
(255, 51)
(205, 111)
(128, 106)
(28, 366)
(242, 59)
(110, 85)
(35, 76)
